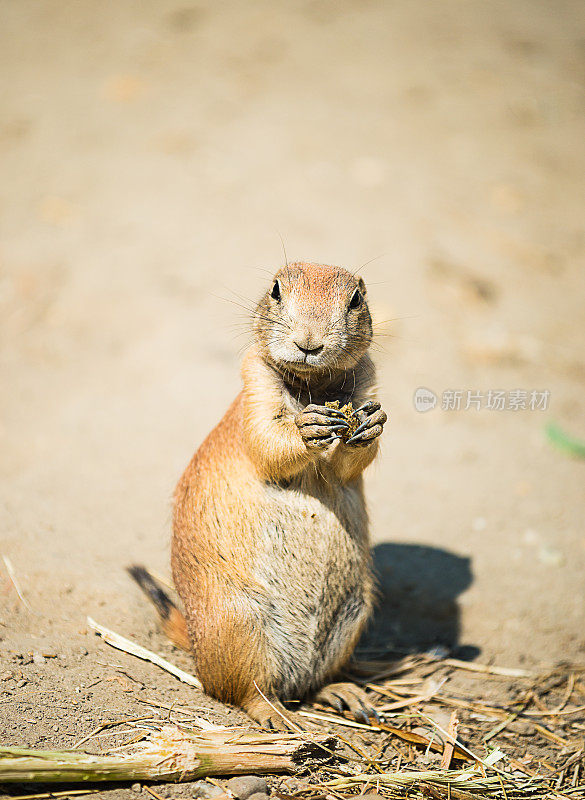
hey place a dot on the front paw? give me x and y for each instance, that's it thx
(372, 419)
(320, 426)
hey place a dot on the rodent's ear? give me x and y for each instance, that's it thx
(362, 286)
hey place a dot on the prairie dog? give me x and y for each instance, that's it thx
(270, 547)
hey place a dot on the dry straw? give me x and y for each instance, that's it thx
(528, 746)
(169, 754)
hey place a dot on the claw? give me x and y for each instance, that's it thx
(354, 439)
(361, 716)
(314, 419)
(359, 429)
(325, 411)
(335, 412)
(369, 405)
(327, 697)
(337, 704)
(361, 438)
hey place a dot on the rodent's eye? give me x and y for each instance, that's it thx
(275, 293)
(356, 299)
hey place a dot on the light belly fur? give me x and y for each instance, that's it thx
(313, 566)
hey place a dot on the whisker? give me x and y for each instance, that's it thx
(375, 258)
(395, 319)
(283, 248)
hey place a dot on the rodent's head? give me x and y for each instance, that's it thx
(313, 319)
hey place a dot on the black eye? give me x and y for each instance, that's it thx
(356, 299)
(275, 293)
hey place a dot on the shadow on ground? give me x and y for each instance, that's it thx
(417, 605)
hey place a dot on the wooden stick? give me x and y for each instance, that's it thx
(170, 754)
(485, 669)
(48, 795)
(449, 744)
(121, 643)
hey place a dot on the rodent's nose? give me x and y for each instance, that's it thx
(310, 350)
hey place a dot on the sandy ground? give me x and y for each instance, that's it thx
(152, 155)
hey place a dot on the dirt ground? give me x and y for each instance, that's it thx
(153, 153)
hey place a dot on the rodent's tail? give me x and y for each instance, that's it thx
(170, 618)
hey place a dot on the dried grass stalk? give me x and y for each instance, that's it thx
(121, 643)
(171, 754)
(466, 780)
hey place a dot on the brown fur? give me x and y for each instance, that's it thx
(175, 629)
(270, 549)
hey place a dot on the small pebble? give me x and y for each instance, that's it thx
(521, 727)
(247, 786)
(38, 658)
(258, 796)
(206, 790)
(136, 787)
(22, 683)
